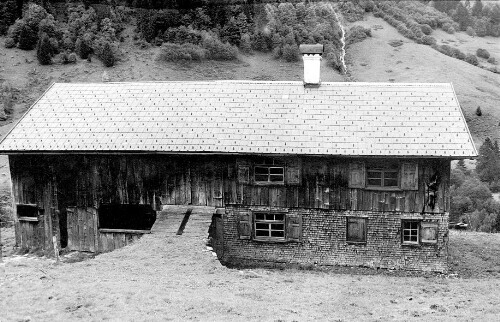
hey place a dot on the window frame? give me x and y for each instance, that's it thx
(356, 242)
(269, 164)
(269, 222)
(403, 229)
(383, 170)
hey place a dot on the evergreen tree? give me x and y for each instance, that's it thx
(488, 162)
(445, 5)
(461, 166)
(27, 38)
(477, 8)
(462, 16)
(107, 56)
(7, 15)
(44, 50)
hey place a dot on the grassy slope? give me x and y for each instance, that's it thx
(164, 276)
(375, 60)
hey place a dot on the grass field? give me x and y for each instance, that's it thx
(168, 277)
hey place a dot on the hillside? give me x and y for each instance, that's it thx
(375, 60)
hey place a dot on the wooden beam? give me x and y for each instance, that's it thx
(127, 231)
(28, 219)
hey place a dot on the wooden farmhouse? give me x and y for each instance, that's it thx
(301, 173)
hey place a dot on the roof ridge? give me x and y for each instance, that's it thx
(225, 81)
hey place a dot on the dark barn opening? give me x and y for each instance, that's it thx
(126, 216)
(27, 210)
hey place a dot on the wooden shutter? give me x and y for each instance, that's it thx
(294, 227)
(293, 173)
(243, 168)
(357, 175)
(429, 233)
(409, 176)
(356, 229)
(245, 225)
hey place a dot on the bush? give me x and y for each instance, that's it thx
(107, 55)
(27, 38)
(15, 30)
(182, 35)
(483, 53)
(492, 60)
(44, 51)
(82, 48)
(470, 31)
(217, 50)
(428, 40)
(9, 43)
(8, 14)
(72, 58)
(426, 29)
(261, 42)
(175, 52)
(448, 27)
(456, 53)
(246, 43)
(472, 59)
(445, 49)
(290, 53)
(478, 111)
(357, 34)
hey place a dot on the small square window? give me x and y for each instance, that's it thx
(269, 171)
(356, 230)
(382, 177)
(411, 232)
(269, 226)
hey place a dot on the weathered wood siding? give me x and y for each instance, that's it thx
(59, 182)
(88, 181)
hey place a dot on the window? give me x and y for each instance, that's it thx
(410, 230)
(269, 225)
(382, 177)
(269, 171)
(356, 230)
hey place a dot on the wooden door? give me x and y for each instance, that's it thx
(82, 229)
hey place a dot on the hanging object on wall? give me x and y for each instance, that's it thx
(432, 188)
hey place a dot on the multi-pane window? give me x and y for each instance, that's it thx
(356, 230)
(411, 230)
(269, 171)
(381, 177)
(269, 225)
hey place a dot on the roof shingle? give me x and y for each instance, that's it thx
(355, 119)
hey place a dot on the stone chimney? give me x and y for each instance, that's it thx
(311, 54)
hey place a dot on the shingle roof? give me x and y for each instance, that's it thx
(354, 119)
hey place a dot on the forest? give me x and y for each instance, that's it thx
(220, 29)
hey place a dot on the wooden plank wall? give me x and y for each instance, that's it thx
(88, 181)
(111, 241)
(32, 183)
(70, 181)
